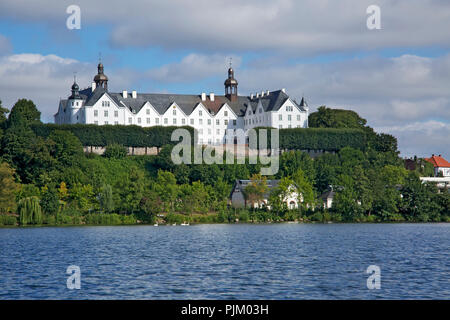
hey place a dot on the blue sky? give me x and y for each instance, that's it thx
(398, 78)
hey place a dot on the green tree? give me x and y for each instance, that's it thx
(335, 118)
(167, 189)
(83, 197)
(8, 188)
(65, 148)
(3, 113)
(115, 151)
(291, 161)
(30, 211)
(106, 198)
(345, 200)
(50, 201)
(306, 194)
(279, 194)
(24, 112)
(27, 153)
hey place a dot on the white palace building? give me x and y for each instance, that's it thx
(212, 115)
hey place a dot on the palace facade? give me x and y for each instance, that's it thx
(212, 115)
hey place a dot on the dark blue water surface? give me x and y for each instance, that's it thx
(278, 261)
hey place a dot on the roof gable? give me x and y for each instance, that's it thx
(438, 161)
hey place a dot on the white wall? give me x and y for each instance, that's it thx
(106, 111)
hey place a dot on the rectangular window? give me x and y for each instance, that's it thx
(116, 122)
(148, 120)
(200, 121)
(139, 120)
(280, 117)
(106, 122)
(200, 113)
(289, 117)
(105, 113)
(217, 121)
(148, 111)
(225, 113)
(166, 121)
(209, 130)
(95, 113)
(234, 122)
(298, 117)
(226, 122)
(281, 126)
(192, 121)
(116, 114)
(157, 120)
(130, 120)
(174, 112)
(183, 121)
(209, 122)
(218, 131)
(174, 121)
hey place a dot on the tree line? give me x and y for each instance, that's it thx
(46, 178)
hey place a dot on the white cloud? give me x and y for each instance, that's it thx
(295, 27)
(193, 67)
(422, 138)
(403, 95)
(45, 79)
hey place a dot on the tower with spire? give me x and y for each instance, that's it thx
(75, 103)
(100, 79)
(231, 85)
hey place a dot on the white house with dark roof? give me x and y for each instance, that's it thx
(237, 195)
(212, 115)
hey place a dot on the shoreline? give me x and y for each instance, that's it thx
(213, 223)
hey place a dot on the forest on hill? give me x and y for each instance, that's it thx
(47, 179)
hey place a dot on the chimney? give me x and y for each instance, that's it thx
(262, 93)
(251, 96)
(203, 96)
(267, 93)
(134, 94)
(211, 96)
(125, 94)
(257, 95)
(283, 90)
(93, 86)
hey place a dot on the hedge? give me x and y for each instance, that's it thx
(325, 139)
(101, 136)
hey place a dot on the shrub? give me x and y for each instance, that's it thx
(115, 151)
(7, 220)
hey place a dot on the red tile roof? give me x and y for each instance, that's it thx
(438, 161)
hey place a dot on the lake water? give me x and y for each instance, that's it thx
(278, 261)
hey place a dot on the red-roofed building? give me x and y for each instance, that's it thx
(440, 165)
